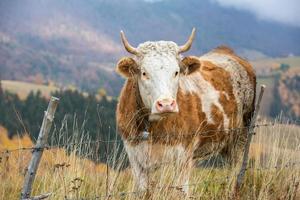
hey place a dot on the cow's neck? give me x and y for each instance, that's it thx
(142, 119)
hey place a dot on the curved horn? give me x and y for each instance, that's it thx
(127, 46)
(188, 44)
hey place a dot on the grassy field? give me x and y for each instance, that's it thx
(22, 89)
(273, 173)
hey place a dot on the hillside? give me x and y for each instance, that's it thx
(268, 72)
(77, 42)
(289, 94)
(23, 89)
(269, 63)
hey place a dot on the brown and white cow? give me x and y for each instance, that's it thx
(185, 105)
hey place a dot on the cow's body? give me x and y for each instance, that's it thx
(217, 97)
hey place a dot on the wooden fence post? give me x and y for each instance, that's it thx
(243, 169)
(39, 148)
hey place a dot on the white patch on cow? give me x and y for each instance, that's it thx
(162, 47)
(242, 87)
(226, 95)
(145, 157)
(209, 96)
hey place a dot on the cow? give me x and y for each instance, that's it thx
(182, 108)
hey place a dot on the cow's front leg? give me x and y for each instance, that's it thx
(137, 159)
(184, 177)
(184, 165)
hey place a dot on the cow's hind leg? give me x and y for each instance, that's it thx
(233, 150)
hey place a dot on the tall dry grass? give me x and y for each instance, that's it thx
(273, 173)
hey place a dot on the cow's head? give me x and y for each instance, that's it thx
(158, 66)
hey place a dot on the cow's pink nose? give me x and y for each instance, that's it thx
(166, 105)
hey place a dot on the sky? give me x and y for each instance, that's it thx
(283, 11)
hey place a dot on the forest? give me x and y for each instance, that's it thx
(85, 117)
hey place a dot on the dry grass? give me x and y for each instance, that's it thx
(274, 172)
(22, 89)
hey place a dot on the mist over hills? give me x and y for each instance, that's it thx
(77, 42)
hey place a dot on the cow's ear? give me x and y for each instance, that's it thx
(190, 64)
(127, 67)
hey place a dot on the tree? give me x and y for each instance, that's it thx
(284, 67)
(1, 90)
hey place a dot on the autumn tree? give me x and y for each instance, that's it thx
(1, 90)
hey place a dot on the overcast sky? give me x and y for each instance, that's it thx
(284, 11)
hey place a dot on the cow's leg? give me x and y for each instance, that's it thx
(233, 150)
(137, 159)
(185, 177)
(184, 166)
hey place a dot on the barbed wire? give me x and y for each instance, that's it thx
(164, 187)
(6, 151)
(167, 186)
(135, 138)
(221, 180)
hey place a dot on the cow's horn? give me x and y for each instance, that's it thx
(188, 44)
(127, 46)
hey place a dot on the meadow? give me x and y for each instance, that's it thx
(273, 171)
(22, 89)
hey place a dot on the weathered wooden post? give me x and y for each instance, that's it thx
(243, 169)
(38, 149)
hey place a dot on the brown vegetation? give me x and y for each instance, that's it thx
(273, 172)
(289, 92)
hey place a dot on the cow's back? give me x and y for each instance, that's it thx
(242, 78)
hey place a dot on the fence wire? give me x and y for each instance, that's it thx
(221, 180)
(123, 194)
(136, 138)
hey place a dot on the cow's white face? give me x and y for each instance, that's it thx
(157, 68)
(159, 76)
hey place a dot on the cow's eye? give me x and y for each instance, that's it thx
(176, 73)
(145, 75)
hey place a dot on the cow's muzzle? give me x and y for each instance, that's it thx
(165, 105)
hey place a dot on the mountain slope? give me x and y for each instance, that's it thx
(77, 42)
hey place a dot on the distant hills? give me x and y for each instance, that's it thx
(77, 42)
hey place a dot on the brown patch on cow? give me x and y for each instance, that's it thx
(230, 109)
(249, 69)
(183, 126)
(211, 133)
(217, 76)
(130, 111)
(217, 116)
(224, 49)
(220, 79)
